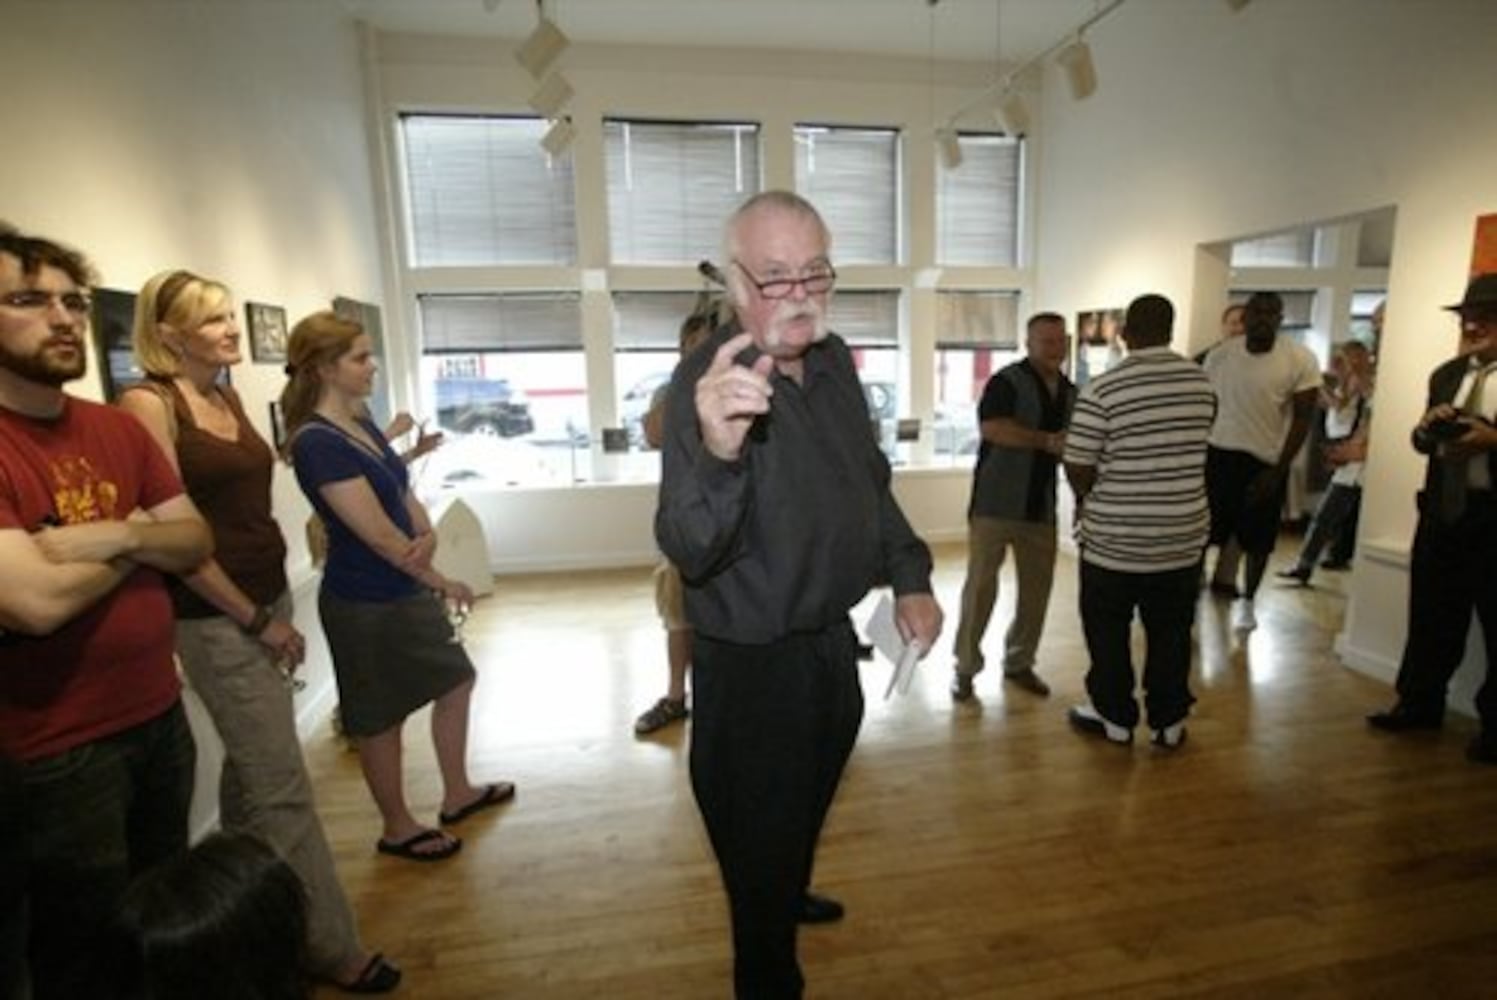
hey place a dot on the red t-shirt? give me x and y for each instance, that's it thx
(111, 667)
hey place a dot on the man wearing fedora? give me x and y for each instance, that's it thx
(1455, 544)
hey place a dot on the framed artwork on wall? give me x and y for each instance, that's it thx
(113, 323)
(366, 314)
(266, 325)
(1099, 343)
(1484, 246)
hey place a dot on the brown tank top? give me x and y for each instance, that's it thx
(230, 483)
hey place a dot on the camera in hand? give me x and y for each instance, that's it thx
(1448, 429)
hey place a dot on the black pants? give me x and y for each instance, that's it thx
(1453, 571)
(1166, 603)
(772, 727)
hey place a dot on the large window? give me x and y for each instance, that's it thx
(869, 322)
(505, 376)
(482, 191)
(977, 203)
(1292, 249)
(852, 176)
(672, 184)
(976, 334)
(646, 339)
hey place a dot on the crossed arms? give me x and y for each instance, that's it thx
(49, 577)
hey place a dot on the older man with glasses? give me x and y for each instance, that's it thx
(91, 515)
(775, 506)
(1453, 568)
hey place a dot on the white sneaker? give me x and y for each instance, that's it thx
(1086, 719)
(1243, 619)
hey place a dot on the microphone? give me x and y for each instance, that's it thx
(712, 273)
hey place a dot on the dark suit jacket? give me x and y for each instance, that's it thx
(1444, 383)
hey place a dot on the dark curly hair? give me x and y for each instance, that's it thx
(33, 252)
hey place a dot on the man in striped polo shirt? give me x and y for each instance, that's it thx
(1136, 458)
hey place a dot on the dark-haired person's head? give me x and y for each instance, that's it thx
(44, 307)
(1045, 341)
(223, 921)
(1149, 323)
(1262, 314)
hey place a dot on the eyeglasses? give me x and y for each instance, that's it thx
(820, 280)
(34, 298)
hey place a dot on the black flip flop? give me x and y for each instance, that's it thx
(377, 976)
(493, 795)
(407, 847)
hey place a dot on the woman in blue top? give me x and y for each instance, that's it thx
(381, 601)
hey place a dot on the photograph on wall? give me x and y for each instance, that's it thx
(113, 323)
(1484, 247)
(266, 325)
(366, 314)
(1099, 343)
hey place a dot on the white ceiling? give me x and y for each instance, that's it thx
(963, 29)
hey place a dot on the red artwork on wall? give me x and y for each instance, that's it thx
(1484, 248)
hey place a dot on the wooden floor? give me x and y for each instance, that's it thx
(982, 851)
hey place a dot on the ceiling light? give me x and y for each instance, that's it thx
(558, 139)
(1013, 114)
(1081, 73)
(552, 95)
(542, 48)
(951, 148)
(1238, 4)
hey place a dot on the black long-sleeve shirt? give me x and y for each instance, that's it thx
(792, 534)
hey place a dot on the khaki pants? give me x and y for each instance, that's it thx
(264, 789)
(988, 541)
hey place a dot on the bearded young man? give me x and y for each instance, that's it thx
(91, 515)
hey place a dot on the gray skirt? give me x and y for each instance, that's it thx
(390, 658)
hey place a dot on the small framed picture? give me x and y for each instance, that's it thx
(266, 325)
(277, 426)
(113, 322)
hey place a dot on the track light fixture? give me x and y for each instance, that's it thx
(551, 96)
(558, 139)
(1081, 72)
(544, 46)
(951, 148)
(1005, 99)
(1013, 114)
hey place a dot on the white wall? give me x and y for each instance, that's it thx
(225, 138)
(1208, 125)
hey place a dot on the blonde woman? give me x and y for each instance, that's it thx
(382, 602)
(234, 632)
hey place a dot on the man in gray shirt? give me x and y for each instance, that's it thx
(775, 506)
(1023, 415)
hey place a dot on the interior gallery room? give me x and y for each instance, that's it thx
(514, 198)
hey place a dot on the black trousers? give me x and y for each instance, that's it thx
(1166, 604)
(1453, 571)
(772, 728)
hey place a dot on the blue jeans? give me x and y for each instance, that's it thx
(96, 816)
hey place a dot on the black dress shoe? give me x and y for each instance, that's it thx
(1299, 574)
(1402, 719)
(1483, 748)
(816, 909)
